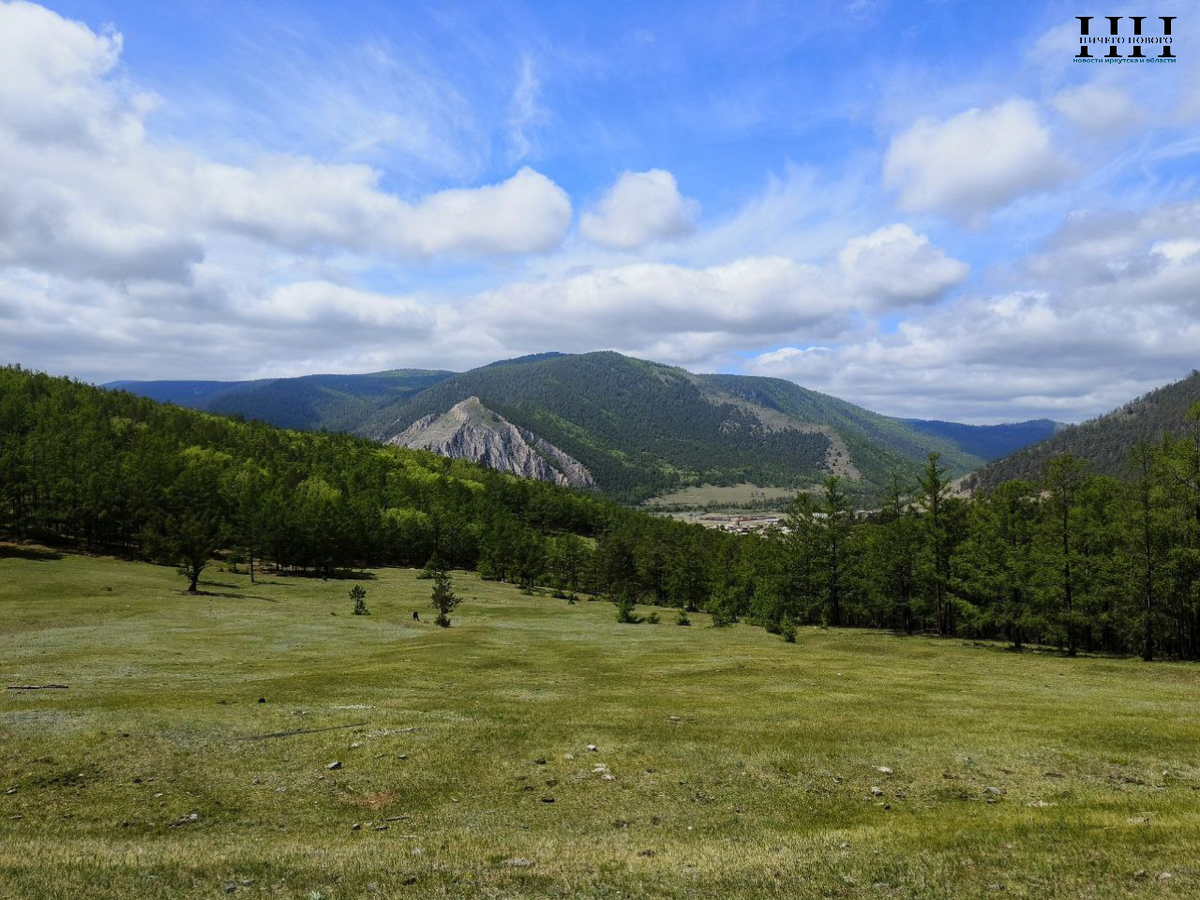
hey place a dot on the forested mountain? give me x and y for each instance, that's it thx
(639, 428)
(990, 441)
(1075, 559)
(107, 470)
(310, 402)
(642, 428)
(1104, 442)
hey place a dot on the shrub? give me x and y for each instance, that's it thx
(682, 618)
(652, 619)
(359, 595)
(787, 628)
(626, 611)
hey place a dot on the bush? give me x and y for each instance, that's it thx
(652, 619)
(358, 594)
(626, 614)
(682, 618)
(787, 628)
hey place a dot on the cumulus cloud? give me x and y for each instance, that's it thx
(895, 266)
(84, 191)
(1114, 314)
(640, 208)
(973, 163)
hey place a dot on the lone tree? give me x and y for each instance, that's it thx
(444, 599)
(358, 594)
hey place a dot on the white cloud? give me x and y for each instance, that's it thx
(973, 163)
(642, 207)
(525, 112)
(895, 266)
(86, 193)
(1099, 109)
(1115, 312)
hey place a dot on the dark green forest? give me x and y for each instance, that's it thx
(641, 428)
(1074, 559)
(1103, 441)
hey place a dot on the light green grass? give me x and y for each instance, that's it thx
(742, 765)
(700, 495)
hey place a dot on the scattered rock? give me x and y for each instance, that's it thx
(518, 863)
(540, 761)
(1141, 873)
(334, 765)
(184, 820)
(229, 887)
(547, 799)
(355, 745)
(11, 790)
(876, 792)
(995, 791)
(1041, 804)
(380, 827)
(599, 768)
(357, 826)
(646, 853)
(551, 782)
(844, 846)
(262, 699)
(883, 770)
(1165, 876)
(592, 748)
(609, 776)
(1137, 820)
(569, 756)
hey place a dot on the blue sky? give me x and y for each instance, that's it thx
(924, 207)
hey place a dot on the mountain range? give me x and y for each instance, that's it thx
(632, 428)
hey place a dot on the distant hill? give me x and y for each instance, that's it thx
(308, 403)
(639, 429)
(1105, 442)
(642, 428)
(990, 441)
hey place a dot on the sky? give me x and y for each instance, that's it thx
(925, 207)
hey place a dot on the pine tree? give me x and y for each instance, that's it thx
(444, 600)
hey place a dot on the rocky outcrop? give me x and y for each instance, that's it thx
(469, 430)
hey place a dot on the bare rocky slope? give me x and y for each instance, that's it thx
(469, 430)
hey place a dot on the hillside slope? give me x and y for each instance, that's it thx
(642, 428)
(1104, 442)
(638, 428)
(310, 402)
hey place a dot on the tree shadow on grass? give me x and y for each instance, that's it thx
(30, 552)
(228, 595)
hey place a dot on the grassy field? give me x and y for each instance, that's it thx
(734, 495)
(728, 764)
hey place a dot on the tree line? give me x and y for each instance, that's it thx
(1074, 559)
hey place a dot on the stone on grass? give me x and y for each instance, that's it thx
(334, 765)
(876, 792)
(883, 770)
(518, 863)
(592, 748)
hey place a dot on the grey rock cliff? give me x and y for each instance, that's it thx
(469, 430)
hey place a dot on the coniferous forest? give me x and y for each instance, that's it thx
(1074, 560)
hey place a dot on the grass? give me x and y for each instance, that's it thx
(741, 766)
(702, 495)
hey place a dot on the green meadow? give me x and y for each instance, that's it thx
(259, 741)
